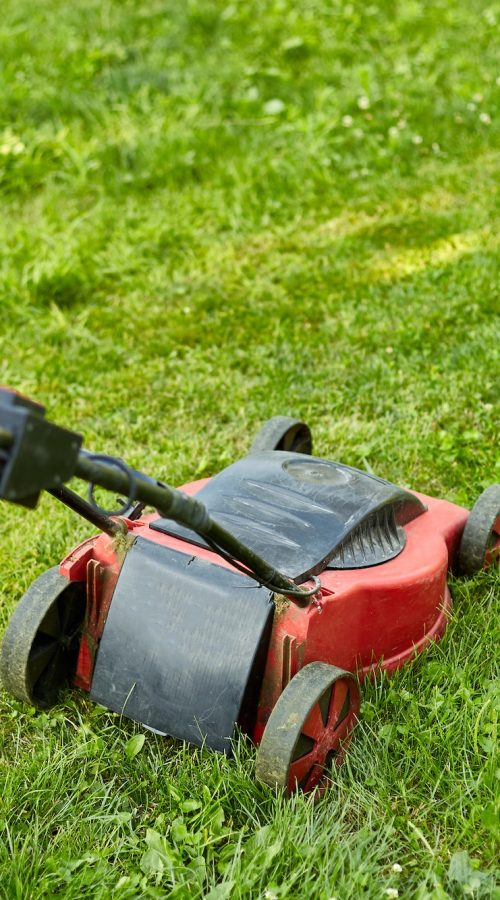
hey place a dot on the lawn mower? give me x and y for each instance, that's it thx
(258, 599)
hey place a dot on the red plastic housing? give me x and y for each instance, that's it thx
(378, 617)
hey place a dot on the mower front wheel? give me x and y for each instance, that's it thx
(283, 433)
(40, 648)
(308, 729)
(481, 536)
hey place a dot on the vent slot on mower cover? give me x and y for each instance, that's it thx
(184, 646)
(302, 513)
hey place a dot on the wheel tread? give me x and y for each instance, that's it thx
(283, 433)
(478, 530)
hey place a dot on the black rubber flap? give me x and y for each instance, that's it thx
(184, 645)
(296, 510)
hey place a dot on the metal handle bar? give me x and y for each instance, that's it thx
(187, 511)
(114, 475)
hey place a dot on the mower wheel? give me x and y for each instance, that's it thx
(481, 533)
(308, 729)
(283, 433)
(40, 647)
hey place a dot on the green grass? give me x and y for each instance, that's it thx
(213, 213)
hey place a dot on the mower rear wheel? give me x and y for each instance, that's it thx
(308, 729)
(283, 433)
(40, 648)
(481, 535)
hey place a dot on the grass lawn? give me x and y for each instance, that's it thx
(212, 213)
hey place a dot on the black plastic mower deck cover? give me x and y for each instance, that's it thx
(184, 646)
(302, 513)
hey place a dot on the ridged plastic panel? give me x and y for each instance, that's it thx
(302, 513)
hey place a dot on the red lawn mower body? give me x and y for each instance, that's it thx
(157, 621)
(364, 620)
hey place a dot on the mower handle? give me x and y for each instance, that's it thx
(37, 455)
(114, 475)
